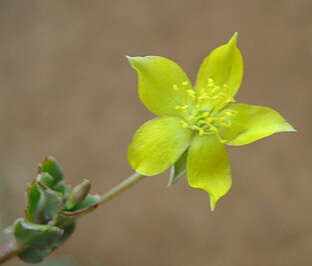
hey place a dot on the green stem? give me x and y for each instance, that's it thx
(130, 181)
(9, 250)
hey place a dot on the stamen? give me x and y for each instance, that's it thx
(175, 87)
(184, 124)
(191, 93)
(201, 132)
(206, 114)
(210, 82)
(192, 118)
(184, 108)
(215, 89)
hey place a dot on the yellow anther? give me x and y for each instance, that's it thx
(215, 89)
(201, 132)
(203, 98)
(210, 82)
(184, 108)
(206, 114)
(230, 112)
(184, 83)
(184, 124)
(216, 97)
(192, 118)
(191, 93)
(209, 120)
(175, 87)
(226, 124)
(226, 87)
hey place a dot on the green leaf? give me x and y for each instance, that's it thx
(35, 235)
(46, 179)
(43, 203)
(178, 169)
(157, 145)
(86, 206)
(63, 189)
(33, 198)
(250, 123)
(224, 65)
(162, 84)
(52, 167)
(34, 255)
(68, 229)
(208, 167)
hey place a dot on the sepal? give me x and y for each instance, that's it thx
(178, 169)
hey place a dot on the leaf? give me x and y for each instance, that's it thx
(63, 189)
(68, 231)
(52, 167)
(178, 169)
(86, 206)
(34, 255)
(35, 235)
(43, 203)
(33, 198)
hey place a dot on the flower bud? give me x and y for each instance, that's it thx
(78, 194)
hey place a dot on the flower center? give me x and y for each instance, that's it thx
(204, 114)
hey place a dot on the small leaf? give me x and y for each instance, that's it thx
(63, 189)
(68, 231)
(35, 235)
(43, 203)
(33, 197)
(178, 169)
(34, 255)
(52, 167)
(46, 179)
(89, 204)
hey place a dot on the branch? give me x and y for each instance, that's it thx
(9, 250)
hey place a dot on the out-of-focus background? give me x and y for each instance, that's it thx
(66, 89)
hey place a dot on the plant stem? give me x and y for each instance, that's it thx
(10, 249)
(130, 181)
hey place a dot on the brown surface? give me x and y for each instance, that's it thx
(67, 90)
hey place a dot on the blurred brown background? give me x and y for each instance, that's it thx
(67, 90)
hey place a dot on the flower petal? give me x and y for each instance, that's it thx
(158, 144)
(250, 123)
(208, 167)
(224, 65)
(162, 84)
